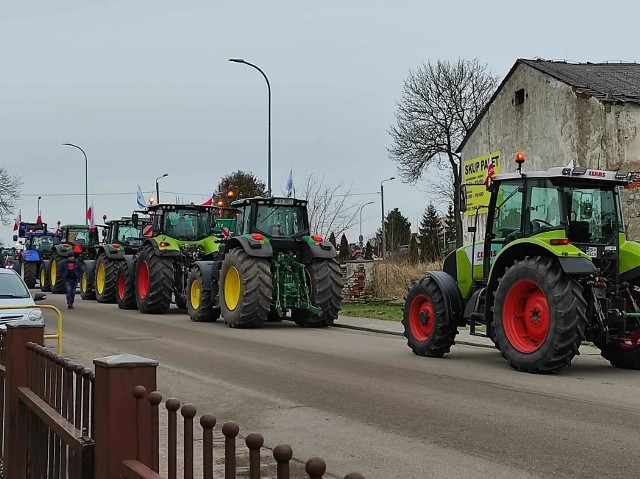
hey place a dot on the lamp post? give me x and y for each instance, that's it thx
(384, 233)
(86, 181)
(158, 186)
(240, 60)
(360, 237)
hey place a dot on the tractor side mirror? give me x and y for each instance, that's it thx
(15, 238)
(104, 233)
(134, 220)
(463, 198)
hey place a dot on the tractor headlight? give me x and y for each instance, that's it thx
(35, 315)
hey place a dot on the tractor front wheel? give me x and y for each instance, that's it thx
(154, 282)
(45, 285)
(126, 288)
(199, 300)
(326, 294)
(539, 316)
(56, 279)
(30, 273)
(246, 289)
(429, 330)
(87, 291)
(105, 279)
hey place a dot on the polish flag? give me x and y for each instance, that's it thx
(39, 220)
(16, 225)
(90, 216)
(490, 174)
(209, 202)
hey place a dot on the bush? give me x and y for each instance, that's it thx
(392, 278)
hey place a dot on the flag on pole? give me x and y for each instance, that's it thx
(490, 174)
(16, 225)
(290, 184)
(142, 203)
(90, 216)
(39, 220)
(570, 165)
(208, 202)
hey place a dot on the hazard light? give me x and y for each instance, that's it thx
(559, 241)
(317, 238)
(520, 158)
(115, 246)
(257, 236)
(164, 244)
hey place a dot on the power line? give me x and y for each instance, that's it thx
(44, 195)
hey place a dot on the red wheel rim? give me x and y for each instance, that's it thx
(121, 286)
(632, 341)
(421, 317)
(526, 316)
(143, 279)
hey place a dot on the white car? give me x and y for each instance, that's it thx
(14, 292)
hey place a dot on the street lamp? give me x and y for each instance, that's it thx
(158, 187)
(86, 181)
(240, 60)
(361, 238)
(384, 233)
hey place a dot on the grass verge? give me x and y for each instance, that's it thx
(389, 312)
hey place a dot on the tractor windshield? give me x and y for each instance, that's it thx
(127, 234)
(82, 236)
(43, 242)
(186, 224)
(592, 214)
(280, 221)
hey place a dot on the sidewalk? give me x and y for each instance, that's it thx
(395, 328)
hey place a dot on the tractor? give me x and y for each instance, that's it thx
(555, 269)
(120, 238)
(183, 237)
(272, 265)
(82, 240)
(37, 248)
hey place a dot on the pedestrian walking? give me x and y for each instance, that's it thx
(70, 271)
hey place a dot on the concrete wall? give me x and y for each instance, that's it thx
(555, 125)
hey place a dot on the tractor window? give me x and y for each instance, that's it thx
(82, 236)
(128, 234)
(280, 221)
(592, 214)
(43, 242)
(187, 224)
(508, 211)
(543, 206)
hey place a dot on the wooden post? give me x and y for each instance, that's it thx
(115, 411)
(19, 334)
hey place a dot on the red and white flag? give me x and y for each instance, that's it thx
(18, 220)
(490, 174)
(90, 216)
(39, 220)
(208, 202)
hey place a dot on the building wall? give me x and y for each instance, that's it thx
(555, 125)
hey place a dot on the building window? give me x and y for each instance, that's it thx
(519, 97)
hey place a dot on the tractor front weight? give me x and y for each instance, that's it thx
(290, 285)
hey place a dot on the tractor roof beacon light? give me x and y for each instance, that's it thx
(231, 194)
(520, 161)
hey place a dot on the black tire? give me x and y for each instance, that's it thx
(30, 273)
(45, 284)
(326, 293)
(126, 288)
(57, 283)
(153, 291)
(428, 327)
(108, 286)
(549, 293)
(255, 290)
(87, 289)
(199, 300)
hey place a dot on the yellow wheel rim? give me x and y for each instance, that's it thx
(195, 294)
(232, 288)
(100, 278)
(43, 276)
(54, 272)
(83, 283)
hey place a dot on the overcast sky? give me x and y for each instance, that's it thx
(145, 88)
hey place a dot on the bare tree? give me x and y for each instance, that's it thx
(10, 186)
(439, 104)
(329, 208)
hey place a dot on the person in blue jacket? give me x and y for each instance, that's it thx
(71, 270)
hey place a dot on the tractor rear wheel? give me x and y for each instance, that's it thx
(126, 288)
(45, 285)
(87, 290)
(246, 289)
(30, 273)
(539, 316)
(57, 281)
(326, 294)
(154, 282)
(429, 330)
(199, 300)
(105, 279)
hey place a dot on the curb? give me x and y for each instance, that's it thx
(393, 333)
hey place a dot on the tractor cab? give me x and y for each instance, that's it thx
(183, 222)
(124, 232)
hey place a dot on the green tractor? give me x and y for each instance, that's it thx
(273, 265)
(184, 242)
(81, 239)
(555, 269)
(120, 238)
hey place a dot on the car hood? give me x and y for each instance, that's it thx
(9, 315)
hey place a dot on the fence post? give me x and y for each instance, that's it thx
(19, 334)
(115, 410)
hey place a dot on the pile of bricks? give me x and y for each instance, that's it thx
(357, 280)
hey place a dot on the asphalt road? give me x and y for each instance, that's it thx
(364, 402)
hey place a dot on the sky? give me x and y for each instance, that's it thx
(145, 88)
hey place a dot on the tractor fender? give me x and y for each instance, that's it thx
(579, 266)
(130, 261)
(89, 267)
(260, 249)
(61, 250)
(31, 255)
(210, 272)
(451, 294)
(115, 254)
(317, 250)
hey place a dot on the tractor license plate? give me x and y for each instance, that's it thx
(283, 201)
(592, 251)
